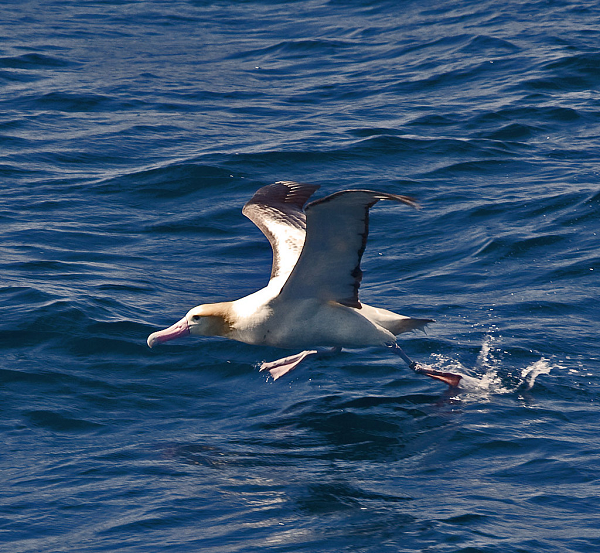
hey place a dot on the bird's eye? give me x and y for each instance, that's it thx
(195, 317)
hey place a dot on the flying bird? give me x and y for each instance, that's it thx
(311, 300)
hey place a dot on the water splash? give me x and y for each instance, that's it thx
(488, 377)
(531, 372)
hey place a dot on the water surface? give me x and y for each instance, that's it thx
(131, 135)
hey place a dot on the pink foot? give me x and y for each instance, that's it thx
(453, 380)
(283, 366)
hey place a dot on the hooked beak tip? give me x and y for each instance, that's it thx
(180, 328)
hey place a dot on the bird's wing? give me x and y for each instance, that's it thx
(276, 210)
(336, 236)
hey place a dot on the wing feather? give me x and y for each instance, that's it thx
(337, 228)
(276, 210)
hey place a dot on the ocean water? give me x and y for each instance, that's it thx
(131, 135)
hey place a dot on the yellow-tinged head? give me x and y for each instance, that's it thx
(210, 319)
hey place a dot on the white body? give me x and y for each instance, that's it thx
(263, 318)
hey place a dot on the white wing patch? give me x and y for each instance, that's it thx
(288, 245)
(276, 210)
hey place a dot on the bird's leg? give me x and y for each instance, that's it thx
(283, 366)
(449, 378)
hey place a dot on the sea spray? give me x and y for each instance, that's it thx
(491, 375)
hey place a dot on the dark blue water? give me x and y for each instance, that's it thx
(131, 134)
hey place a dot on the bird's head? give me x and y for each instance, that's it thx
(209, 319)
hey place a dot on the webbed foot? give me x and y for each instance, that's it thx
(279, 367)
(451, 379)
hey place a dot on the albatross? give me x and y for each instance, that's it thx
(311, 300)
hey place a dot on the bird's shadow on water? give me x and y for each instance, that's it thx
(331, 428)
(384, 423)
(304, 458)
(305, 462)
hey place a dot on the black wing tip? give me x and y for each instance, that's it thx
(295, 192)
(295, 185)
(375, 196)
(283, 193)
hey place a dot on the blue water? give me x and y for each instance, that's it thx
(132, 133)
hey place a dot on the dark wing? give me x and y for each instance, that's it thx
(276, 210)
(336, 236)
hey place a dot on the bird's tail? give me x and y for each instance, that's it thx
(408, 324)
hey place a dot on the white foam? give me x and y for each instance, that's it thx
(530, 373)
(486, 377)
